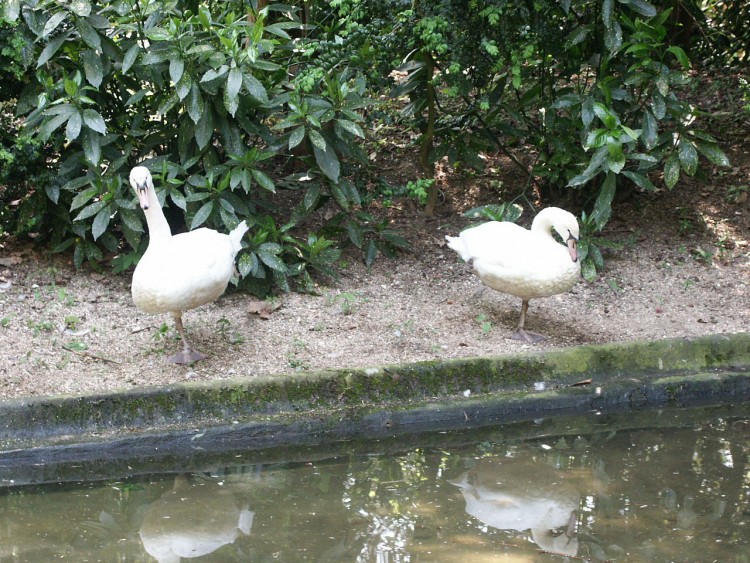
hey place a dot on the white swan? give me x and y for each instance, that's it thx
(524, 263)
(180, 272)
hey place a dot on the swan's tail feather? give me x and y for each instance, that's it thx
(236, 236)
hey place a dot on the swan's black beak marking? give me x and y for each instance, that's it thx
(572, 243)
(142, 195)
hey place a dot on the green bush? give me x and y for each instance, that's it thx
(204, 96)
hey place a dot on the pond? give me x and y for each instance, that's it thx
(674, 487)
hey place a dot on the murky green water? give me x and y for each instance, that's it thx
(679, 493)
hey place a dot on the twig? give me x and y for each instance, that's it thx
(91, 355)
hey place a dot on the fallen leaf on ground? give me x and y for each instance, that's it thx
(11, 260)
(263, 308)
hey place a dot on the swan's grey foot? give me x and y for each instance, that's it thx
(527, 336)
(186, 357)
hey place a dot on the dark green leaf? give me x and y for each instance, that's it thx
(184, 86)
(681, 55)
(371, 252)
(51, 48)
(593, 168)
(92, 146)
(83, 197)
(658, 106)
(73, 129)
(268, 255)
(339, 196)
(92, 68)
(90, 210)
(101, 222)
(588, 271)
(311, 196)
(672, 170)
(639, 180)
(317, 139)
(245, 264)
(350, 127)
(51, 124)
(649, 130)
(88, 34)
(579, 35)
(603, 205)
(355, 233)
(131, 219)
(296, 137)
(688, 156)
(195, 104)
(204, 129)
(616, 159)
(202, 215)
(254, 87)
(178, 199)
(642, 7)
(328, 162)
(94, 120)
(713, 153)
(264, 180)
(130, 57)
(54, 21)
(176, 69)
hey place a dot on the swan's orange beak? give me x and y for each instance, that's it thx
(572, 243)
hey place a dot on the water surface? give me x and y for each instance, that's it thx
(676, 491)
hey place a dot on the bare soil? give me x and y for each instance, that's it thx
(683, 270)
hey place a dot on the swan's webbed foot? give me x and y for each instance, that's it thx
(186, 357)
(523, 334)
(527, 336)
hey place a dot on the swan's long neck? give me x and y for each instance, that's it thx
(543, 224)
(158, 228)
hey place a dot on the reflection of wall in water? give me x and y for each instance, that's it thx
(195, 518)
(521, 494)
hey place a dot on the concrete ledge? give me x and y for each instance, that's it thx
(323, 407)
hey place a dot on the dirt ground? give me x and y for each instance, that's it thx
(683, 270)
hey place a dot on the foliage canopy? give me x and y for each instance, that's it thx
(229, 103)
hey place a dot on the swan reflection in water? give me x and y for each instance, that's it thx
(194, 519)
(518, 494)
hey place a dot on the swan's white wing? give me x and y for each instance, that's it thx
(183, 272)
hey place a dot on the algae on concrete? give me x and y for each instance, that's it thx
(622, 373)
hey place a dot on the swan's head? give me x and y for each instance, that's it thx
(141, 182)
(567, 227)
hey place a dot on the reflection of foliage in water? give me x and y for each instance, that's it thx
(382, 493)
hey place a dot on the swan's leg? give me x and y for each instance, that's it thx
(523, 334)
(188, 355)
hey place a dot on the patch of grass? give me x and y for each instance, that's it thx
(485, 324)
(5, 321)
(295, 362)
(703, 255)
(37, 327)
(72, 322)
(348, 302)
(64, 297)
(738, 194)
(223, 327)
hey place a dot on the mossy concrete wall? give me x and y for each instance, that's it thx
(317, 407)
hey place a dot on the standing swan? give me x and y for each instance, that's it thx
(524, 263)
(180, 272)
